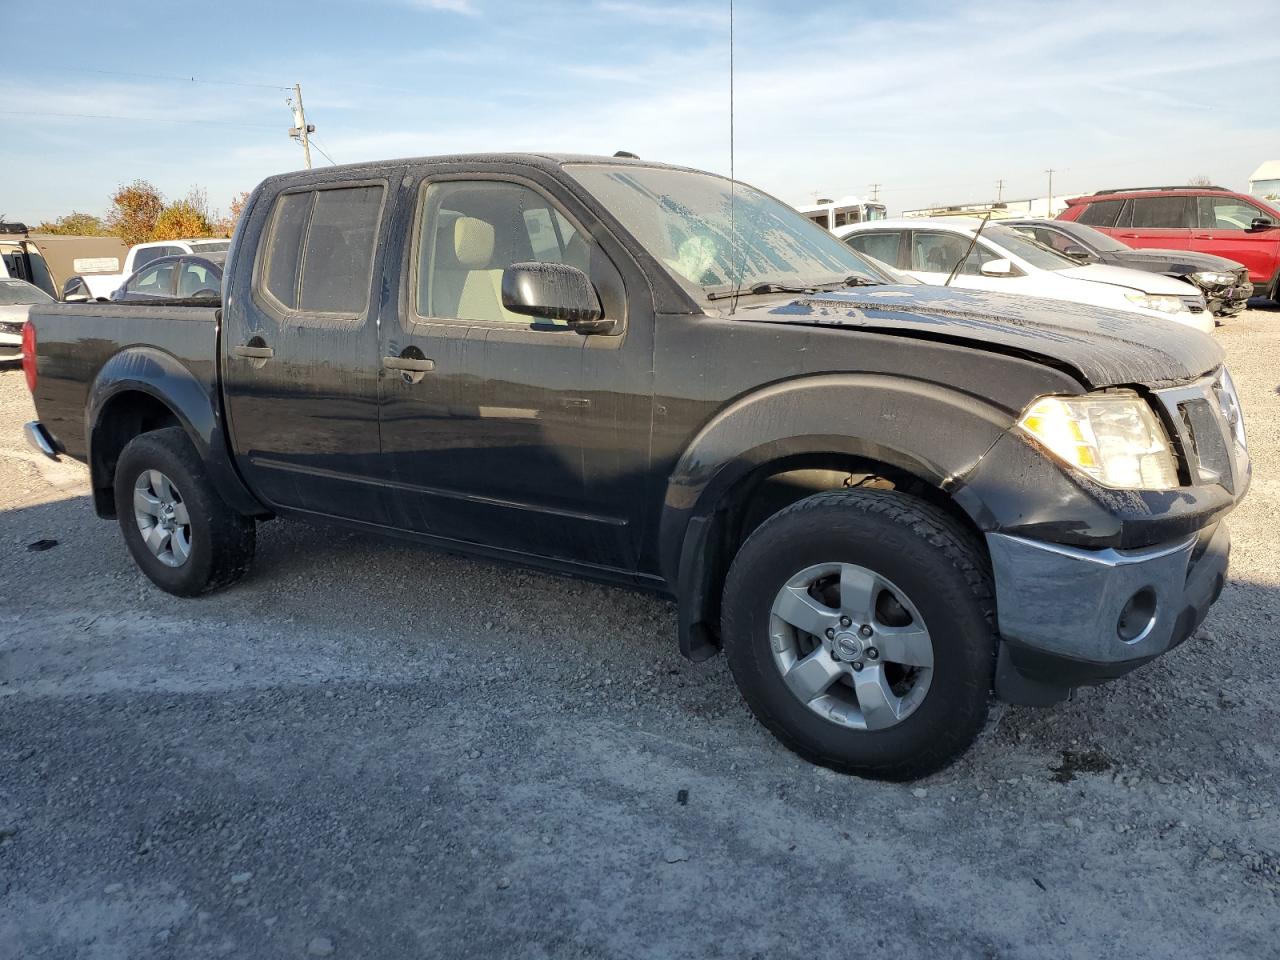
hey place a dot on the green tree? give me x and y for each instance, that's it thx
(74, 224)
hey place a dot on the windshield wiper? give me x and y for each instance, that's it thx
(853, 280)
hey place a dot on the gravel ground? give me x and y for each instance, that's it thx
(369, 749)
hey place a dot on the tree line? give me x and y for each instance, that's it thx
(140, 213)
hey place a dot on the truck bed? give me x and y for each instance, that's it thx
(77, 341)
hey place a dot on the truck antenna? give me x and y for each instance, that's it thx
(973, 242)
(733, 234)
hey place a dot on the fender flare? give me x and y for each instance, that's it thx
(195, 405)
(933, 432)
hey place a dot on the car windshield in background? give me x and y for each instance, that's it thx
(1095, 239)
(15, 293)
(210, 246)
(686, 221)
(1033, 252)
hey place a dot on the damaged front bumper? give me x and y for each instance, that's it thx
(1226, 301)
(1069, 617)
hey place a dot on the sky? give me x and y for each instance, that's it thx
(934, 101)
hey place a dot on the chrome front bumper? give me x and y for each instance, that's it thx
(1069, 617)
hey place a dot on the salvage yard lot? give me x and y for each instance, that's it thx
(369, 749)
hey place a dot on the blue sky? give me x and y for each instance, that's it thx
(934, 101)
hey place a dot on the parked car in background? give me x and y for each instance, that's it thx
(1224, 283)
(16, 299)
(103, 285)
(883, 501)
(1201, 219)
(1007, 261)
(188, 277)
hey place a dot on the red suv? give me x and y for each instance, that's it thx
(1206, 219)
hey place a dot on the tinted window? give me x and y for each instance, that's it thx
(339, 250)
(1163, 213)
(144, 256)
(282, 247)
(473, 231)
(1101, 213)
(883, 246)
(14, 292)
(1227, 213)
(211, 246)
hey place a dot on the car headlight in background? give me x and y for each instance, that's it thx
(1165, 303)
(1112, 437)
(1212, 276)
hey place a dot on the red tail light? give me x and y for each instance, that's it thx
(29, 354)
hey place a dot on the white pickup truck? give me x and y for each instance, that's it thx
(103, 285)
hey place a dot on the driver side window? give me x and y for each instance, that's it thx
(156, 281)
(471, 231)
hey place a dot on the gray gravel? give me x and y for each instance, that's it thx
(369, 749)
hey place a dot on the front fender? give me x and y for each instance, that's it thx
(931, 431)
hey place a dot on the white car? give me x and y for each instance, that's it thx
(16, 298)
(105, 284)
(1007, 261)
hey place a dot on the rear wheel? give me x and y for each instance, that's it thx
(859, 627)
(179, 531)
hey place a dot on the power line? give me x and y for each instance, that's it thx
(161, 76)
(315, 144)
(106, 116)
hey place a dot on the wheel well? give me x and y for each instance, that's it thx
(124, 417)
(772, 487)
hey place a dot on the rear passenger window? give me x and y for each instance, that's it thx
(319, 249)
(1162, 213)
(1100, 214)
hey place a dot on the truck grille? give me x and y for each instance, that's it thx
(1204, 437)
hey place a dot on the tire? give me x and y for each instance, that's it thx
(937, 578)
(215, 545)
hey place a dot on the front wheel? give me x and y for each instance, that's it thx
(180, 532)
(859, 625)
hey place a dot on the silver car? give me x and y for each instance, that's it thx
(16, 298)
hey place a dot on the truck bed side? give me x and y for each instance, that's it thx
(106, 372)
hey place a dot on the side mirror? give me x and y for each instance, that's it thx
(554, 291)
(75, 290)
(1076, 252)
(997, 268)
(1261, 223)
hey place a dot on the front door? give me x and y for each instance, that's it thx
(491, 421)
(300, 352)
(1225, 230)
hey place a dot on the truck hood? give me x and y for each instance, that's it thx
(1128, 278)
(1100, 347)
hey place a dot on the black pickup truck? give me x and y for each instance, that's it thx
(884, 501)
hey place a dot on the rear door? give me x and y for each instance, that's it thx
(300, 351)
(1224, 229)
(499, 430)
(1160, 221)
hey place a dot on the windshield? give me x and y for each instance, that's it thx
(210, 246)
(684, 220)
(1020, 245)
(1095, 238)
(18, 292)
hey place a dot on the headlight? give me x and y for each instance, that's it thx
(1212, 276)
(1165, 303)
(1114, 437)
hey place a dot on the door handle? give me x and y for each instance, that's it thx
(409, 364)
(253, 353)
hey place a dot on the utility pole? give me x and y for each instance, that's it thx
(999, 191)
(1049, 211)
(875, 191)
(302, 130)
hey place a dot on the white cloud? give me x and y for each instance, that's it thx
(449, 6)
(673, 15)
